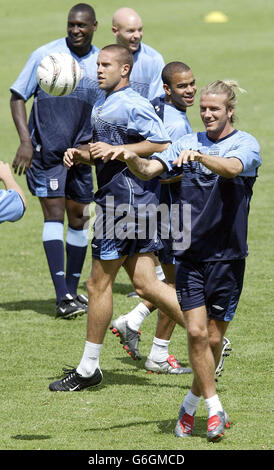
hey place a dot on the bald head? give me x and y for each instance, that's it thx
(123, 15)
(127, 27)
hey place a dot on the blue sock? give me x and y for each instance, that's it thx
(76, 248)
(53, 233)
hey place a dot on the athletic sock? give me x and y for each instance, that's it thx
(53, 232)
(76, 248)
(159, 350)
(136, 316)
(191, 403)
(213, 405)
(90, 359)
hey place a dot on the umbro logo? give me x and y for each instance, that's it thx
(217, 307)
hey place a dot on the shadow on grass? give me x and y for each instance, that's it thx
(166, 426)
(120, 377)
(48, 306)
(43, 306)
(30, 437)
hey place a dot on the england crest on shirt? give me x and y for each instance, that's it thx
(53, 184)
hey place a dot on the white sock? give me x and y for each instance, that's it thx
(90, 359)
(191, 403)
(213, 405)
(160, 273)
(136, 316)
(159, 350)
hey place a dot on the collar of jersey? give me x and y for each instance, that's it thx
(223, 138)
(117, 91)
(175, 107)
(91, 51)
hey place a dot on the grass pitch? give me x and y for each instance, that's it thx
(132, 410)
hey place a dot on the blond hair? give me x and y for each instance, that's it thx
(225, 87)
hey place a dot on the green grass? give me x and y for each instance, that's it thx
(133, 410)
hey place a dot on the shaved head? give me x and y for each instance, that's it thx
(127, 27)
(125, 15)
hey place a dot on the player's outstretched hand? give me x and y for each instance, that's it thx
(126, 155)
(105, 152)
(186, 156)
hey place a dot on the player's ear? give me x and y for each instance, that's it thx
(114, 30)
(167, 89)
(230, 112)
(125, 70)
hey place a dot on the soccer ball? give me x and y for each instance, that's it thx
(58, 74)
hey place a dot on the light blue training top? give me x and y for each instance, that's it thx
(11, 206)
(146, 74)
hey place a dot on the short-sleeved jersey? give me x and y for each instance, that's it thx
(146, 74)
(124, 117)
(175, 120)
(176, 123)
(219, 206)
(57, 123)
(11, 206)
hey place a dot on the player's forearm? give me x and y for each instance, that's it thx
(19, 115)
(226, 167)
(145, 148)
(83, 155)
(143, 168)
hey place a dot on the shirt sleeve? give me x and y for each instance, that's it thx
(156, 83)
(11, 206)
(177, 130)
(167, 157)
(26, 83)
(145, 122)
(248, 152)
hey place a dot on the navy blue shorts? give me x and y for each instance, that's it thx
(123, 225)
(166, 255)
(215, 284)
(57, 181)
(115, 237)
(106, 249)
(170, 194)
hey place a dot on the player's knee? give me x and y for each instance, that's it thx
(197, 334)
(215, 341)
(97, 286)
(78, 222)
(77, 214)
(143, 291)
(53, 209)
(91, 286)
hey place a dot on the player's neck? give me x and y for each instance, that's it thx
(122, 84)
(179, 107)
(218, 135)
(80, 51)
